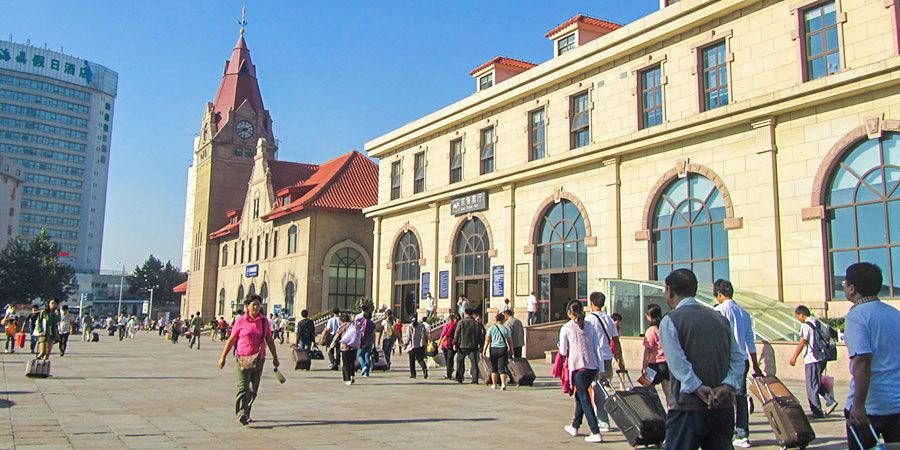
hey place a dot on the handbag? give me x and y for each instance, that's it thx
(324, 338)
(250, 363)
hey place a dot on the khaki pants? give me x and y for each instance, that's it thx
(247, 388)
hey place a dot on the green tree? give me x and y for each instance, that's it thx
(153, 274)
(32, 271)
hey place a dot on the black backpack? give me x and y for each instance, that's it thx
(825, 343)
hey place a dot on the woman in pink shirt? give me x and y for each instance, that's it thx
(250, 332)
(446, 344)
(579, 344)
(654, 358)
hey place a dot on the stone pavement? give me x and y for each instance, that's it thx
(148, 393)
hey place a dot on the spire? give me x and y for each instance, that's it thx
(238, 82)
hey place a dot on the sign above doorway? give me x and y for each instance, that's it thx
(471, 202)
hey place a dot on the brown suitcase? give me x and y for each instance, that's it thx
(775, 385)
(785, 415)
(484, 369)
(520, 372)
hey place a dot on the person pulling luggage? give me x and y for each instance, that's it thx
(580, 346)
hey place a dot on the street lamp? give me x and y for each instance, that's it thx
(121, 283)
(150, 309)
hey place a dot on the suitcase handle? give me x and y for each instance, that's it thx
(759, 382)
(878, 445)
(623, 374)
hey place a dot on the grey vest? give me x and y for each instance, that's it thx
(705, 336)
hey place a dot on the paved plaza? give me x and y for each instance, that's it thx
(148, 393)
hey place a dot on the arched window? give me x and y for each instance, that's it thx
(292, 239)
(239, 302)
(252, 290)
(470, 257)
(222, 302)
(289, 298)
(864, 212)
(264, 292)
(224, 255)
(346, 278)
(689, 230)
(560, 259)
(406, 275)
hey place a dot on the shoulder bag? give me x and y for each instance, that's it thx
(251, 363)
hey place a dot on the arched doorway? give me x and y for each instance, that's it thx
(560, 260)
(346, 278)
(264, 294)
(239, 302)
(222, 302)
(472, 265)
(406, 275)
(289, 299)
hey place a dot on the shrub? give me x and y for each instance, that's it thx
(836, 323)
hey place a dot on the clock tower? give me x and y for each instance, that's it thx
(234, 128)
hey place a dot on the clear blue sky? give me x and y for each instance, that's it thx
(333, 74)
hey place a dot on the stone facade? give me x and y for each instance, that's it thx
(769, 151)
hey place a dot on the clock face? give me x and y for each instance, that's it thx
(244, 129)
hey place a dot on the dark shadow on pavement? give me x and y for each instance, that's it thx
(285, 423)
(6, 404)
(151, 378)
(15, 392)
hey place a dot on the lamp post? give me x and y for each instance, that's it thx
(150, 310)
(121, 283)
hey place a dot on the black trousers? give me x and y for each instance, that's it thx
(334, 355)
(417, 354)
(63, 343)
(887, 426)
(473, 354)
(348, 357)
(449, 354)
(517, 352)
(709, 429)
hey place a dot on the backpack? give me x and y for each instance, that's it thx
(825, 343)
(390, 332)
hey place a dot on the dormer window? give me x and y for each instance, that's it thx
(486, 81)
(565, 44)
(285, 200)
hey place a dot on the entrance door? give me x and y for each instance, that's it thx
(477, 292)
(562, 291)
(405, 301)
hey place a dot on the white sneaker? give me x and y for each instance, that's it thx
(348, 383)
(604, 427)
(594, 438)
(743, 443)
(493, 386)
(571, 430)
(503, 388)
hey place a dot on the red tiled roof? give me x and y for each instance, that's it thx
(232, 227)
(286, 174)
(504, 61)
(584, 19)
(349, 182)
(238, 84)
(181, 288)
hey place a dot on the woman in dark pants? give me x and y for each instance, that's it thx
(251, 334)
(578, 343)
(347, 339)
(498, 347)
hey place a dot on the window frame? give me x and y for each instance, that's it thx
(482, 145)
(799, 34)
(486, 79)
(575, 134)
(532, 131)
(561, 49)
(704, 69)
(419, 164)
(456, 173)
(396, 182)
(642, 90)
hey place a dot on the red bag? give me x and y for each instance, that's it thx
(20, 339)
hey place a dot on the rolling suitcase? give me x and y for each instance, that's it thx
(95, 337)
(37, 368)
(484, 369)
(637, 411)
(520, 372)
(111, 331)
(378, 361)
(300, 356)
(784, 413)
(774, 384)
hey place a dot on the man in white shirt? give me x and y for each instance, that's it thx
(742, 328)
(606, 334)
(814, 366)
(332, 326)
(462, 305)
(873, 344)
(430, 305)
(531, 308)
(66, 323)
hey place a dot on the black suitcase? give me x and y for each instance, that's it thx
(300, 356)
(111, 331)
(785, 415)
(520, 372)
(378, 361)
(38, 368)
(95, 337)
(637, 411)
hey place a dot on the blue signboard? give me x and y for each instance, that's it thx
(497, 286)
(252, 271)
(444, 284)
(426, 284)
(277, 309)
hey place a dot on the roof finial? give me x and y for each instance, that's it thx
(243, 22)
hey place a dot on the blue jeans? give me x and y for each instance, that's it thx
(582, 380)
(600, 395)
(709, 429)
(365, 358)
(388, 346)
(742, 408)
